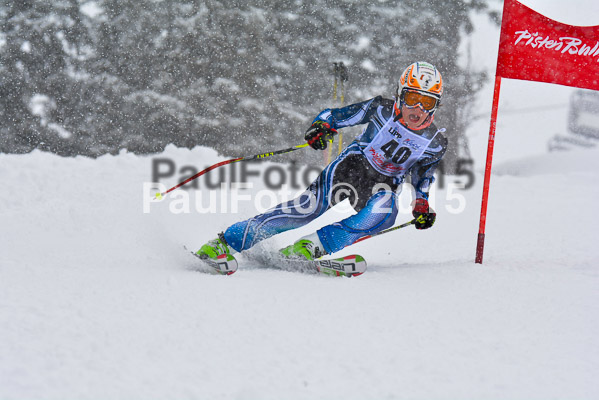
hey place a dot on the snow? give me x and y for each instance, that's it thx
(589, 119)
(368, 65)
(62, 132)
(364, 43)
(26, 47)
(40, 105)
(99, 299)
(91, 9)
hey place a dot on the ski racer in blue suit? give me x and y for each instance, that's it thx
(399, 140)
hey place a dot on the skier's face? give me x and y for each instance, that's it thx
(413, 116)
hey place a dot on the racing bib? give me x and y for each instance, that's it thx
(395, 149)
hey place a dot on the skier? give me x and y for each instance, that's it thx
(399, 140)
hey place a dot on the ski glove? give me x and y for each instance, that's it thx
(424, 216)
(319, 134)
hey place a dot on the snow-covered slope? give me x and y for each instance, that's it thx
(98, 300)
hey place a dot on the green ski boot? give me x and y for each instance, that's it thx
(215, 248)
(309, 248)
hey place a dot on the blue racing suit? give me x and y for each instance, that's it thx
(369, 172)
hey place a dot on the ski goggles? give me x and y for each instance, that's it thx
(412, 99)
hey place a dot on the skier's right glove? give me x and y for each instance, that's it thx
(423, 214)
(319, 134)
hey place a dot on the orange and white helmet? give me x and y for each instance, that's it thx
(421, 77)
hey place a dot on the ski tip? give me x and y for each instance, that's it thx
(358, 264)
(355, 257)
(225, 264)
(227, 273)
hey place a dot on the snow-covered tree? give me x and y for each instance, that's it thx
(240, 76)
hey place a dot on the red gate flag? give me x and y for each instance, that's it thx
(533, 47)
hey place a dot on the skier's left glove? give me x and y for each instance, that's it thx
(423, 214)
(319, 134)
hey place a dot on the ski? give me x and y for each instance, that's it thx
(225, 264)
(349, 266)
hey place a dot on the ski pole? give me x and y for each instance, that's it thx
(342, 78)
(231, 161)
(412, 222)
(329, 152)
